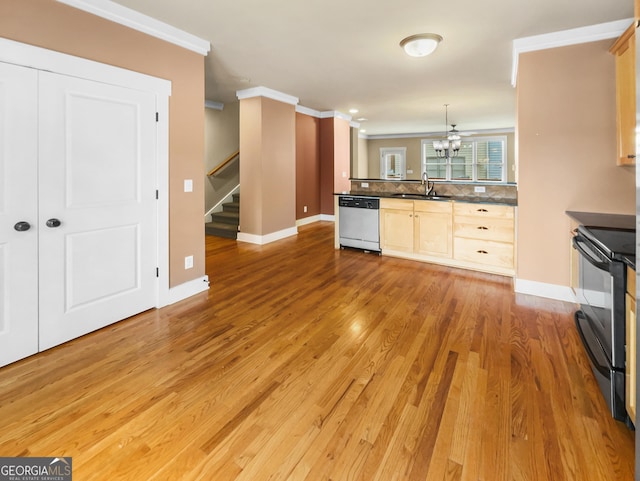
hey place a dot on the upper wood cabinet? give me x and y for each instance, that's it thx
(624, 50)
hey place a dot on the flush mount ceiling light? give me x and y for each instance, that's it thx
(421, 44)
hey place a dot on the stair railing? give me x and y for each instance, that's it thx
(221, 166)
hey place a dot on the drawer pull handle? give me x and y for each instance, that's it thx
(482, 210)
(482, 252)
(483, 228)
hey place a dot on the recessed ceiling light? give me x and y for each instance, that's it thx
(353, 111)
(361, 119)
(363, 130)
(421, 44)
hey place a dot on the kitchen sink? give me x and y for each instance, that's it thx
(422, 196)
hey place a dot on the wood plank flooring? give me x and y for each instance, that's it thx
(307, 363)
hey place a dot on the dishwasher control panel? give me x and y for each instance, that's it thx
(359, 202)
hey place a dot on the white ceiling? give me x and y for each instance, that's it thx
(343, 54)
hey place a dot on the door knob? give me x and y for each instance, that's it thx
(22, 226)
(53, 223)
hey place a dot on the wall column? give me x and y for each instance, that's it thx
(267, 165)
(335, 150)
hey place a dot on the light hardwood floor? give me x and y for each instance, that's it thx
(307, 363)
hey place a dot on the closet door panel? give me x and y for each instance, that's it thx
(98, 236)
(18, 213)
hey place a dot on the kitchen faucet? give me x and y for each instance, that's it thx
(428, 186)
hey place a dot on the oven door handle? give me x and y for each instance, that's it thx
(598, 263)
(601, 368)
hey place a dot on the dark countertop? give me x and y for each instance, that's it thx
(470, 199)
(611, 221)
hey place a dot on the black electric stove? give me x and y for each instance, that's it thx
(614, 243)
(601, 319)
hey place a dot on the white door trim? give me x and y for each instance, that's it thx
(42, 59)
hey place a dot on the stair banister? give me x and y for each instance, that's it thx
(223, 164)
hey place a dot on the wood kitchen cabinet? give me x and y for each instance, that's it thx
(484, 235)
(631, 339)
(433, 228)
(416, 227)
(624, 50)
(396, 225)
(458, 234)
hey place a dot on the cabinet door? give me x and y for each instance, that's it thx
(630, 373)
(625, 51)
(18, 203)
(396, 230)
(434, 233)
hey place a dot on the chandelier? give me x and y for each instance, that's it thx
(450, 145)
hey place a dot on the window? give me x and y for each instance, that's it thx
(480, 159)
(393, 163)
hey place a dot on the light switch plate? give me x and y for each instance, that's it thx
(188, 185)
(479, 189)
(188, 262)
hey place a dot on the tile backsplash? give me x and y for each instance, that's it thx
(456, 189)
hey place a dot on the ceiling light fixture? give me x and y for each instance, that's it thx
(450, 146)
(421, 44)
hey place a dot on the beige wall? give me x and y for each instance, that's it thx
(566, 153)
(363, 160)
(221, 139)
(414, 154)
(268, 166)
(52, 25)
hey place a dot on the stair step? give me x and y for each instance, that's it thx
(232, 218)
(231, 207)
(221, 230)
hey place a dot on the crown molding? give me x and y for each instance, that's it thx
(142, 23)
(301, 109)
(593, 33)
(476, 133)
(268, 93)
(335, 114)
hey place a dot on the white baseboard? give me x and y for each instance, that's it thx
(542, 289)
(181, 292)
(327, 217)
(265, 239)
(308, 220)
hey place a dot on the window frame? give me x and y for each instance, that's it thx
(474, 163)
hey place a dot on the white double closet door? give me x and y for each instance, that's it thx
(78, 215)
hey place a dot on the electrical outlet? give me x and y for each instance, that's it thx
(364, 185)
(479, 189)
(188, 262)
(304, 209)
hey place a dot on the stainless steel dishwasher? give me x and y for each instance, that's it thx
(359, 222)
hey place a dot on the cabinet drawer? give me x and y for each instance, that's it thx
(484, 252)
(497, 229)
(483, 210)
(435, 206)
(400, 204)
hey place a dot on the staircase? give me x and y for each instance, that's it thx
(225, 223)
